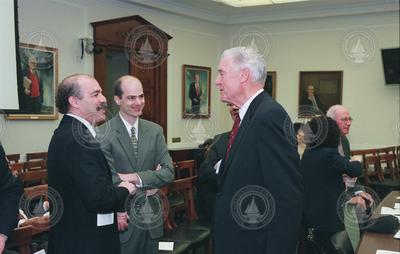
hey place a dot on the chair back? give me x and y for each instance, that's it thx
(36, 156)
(372, 169)
(21, 238)
(13, 158)
(185, 169)
(39, 176)
(35, 165)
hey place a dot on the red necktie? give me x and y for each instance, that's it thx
(235, 129)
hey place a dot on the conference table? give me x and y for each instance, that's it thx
(371, 242)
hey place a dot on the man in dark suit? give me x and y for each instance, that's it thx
(341, 115)
(259, 201)
(195, 93)
(10, 193)
(137, 152)
(208, 183)
(79, 173)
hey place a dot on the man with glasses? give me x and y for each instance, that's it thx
(343, 119)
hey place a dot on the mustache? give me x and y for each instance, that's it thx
(103, 105)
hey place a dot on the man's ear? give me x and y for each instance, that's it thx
(117, 100)
(244, 75)
(73, 101)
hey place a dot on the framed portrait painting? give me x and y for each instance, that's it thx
(270, 84)
(196, 82)
(37, 83)
(320, 90)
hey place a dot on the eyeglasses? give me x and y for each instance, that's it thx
(346, 119)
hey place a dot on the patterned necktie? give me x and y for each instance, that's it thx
(235, 129)
(134, 141)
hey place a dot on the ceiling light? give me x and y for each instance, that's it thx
(246, 3)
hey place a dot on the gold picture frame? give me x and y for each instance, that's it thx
(196, 91)
(37, 84)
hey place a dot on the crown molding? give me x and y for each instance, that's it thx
(304, 10)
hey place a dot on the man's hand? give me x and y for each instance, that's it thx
(3, 239)
(122, 220)
(130, 187)
(132, 178)
(358, 201)
(362, 199)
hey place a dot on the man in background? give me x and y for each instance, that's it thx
(208, 184)
(10, 193)
(137, 153)
(79, 173)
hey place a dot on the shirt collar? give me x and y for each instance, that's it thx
(243, 109)
(84, 122)
(128, 126)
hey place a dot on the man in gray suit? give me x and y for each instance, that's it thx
(137, 153)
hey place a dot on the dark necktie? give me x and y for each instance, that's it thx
(235, 129)
(134, 141)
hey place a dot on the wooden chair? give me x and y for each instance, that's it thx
(372, 169)
(374, 177)
(13, 158)
(36, 195)
(21, 238)
(17, 168)
(184, 169)
(389, 166)
(36, 156)
(189, 231)
(35, 165)
(387, 150)
(31, 177)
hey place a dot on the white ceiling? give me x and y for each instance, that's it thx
(209, 10)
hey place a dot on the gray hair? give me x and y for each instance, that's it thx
(332, 111)
(247, 57)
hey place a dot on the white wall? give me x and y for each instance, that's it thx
(318, 45)
(296, 46)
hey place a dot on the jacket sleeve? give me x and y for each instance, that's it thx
(10, 193)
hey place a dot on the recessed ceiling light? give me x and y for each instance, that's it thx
(246, 3)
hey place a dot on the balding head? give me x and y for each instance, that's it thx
(341, 115)
(129, 96)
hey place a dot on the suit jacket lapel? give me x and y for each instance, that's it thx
(241, 133)
(125, 141)
(143, 143)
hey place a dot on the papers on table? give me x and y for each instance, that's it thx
(387, 252)
(390, 211)
(397, 235)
